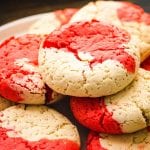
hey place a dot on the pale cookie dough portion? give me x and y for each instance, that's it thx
(71, 74)
(78, 79)
(136, 95)
(36, 123)
(99, 10)
(52, 21)
(45, 25)
(134, 141)
(126, 15)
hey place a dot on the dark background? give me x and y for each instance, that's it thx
(14, 9)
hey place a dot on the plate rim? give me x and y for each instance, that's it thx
(19, 20)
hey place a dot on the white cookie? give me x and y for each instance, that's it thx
(99, 60)
(36, 127)
(134, 141)
(122, 14)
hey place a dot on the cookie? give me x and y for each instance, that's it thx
(122, 14)
(51, 21)
(125, 112)
(88, 59)
(20, 80)
(133, 141)
(36, 127)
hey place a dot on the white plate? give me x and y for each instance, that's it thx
(19, 26)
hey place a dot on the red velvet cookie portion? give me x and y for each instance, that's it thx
(93, 114)
(124, 112)
(137, 22)
(11, 50)
(30, 128)
(9, 143)
(103, 42)
(20, 80)
(130, 12)
(126, 15)
(93, 142)
(134, 141)
(146, 18)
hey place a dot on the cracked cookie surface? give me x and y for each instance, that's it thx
(124, 112)
(133, 141)
(122, 14)
(51, 21)
(20, 80)
(36, 127)
(89, 59)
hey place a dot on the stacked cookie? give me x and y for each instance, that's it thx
(126, 111)
(126, 15)
(93, 55)
(31, 127)
(95, 60)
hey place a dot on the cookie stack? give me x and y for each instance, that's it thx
(96, 59)
(127, 110)
(99, 56)
(34, 126)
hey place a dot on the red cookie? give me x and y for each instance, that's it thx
(89, 59)
(20, 80)
(124, 112)
(134, 141)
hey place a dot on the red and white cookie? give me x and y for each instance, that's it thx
(134, 141)
(125, 112)
(20, 80)
(36, 128)
(89, 59)
(122, 14)
(51, 21)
